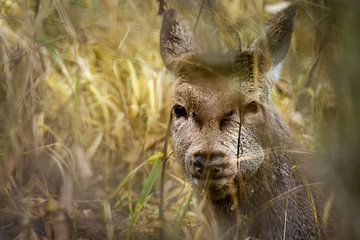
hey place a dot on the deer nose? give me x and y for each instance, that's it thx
(206, 159)
(199, 161)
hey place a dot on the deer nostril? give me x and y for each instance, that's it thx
(208, 163)
(202, 159)
(199, 161)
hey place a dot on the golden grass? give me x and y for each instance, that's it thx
(84, 105)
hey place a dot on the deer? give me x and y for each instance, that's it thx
(231, 141)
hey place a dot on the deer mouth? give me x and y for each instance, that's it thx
(220, 178)
(216, 188)
(212, 172)
(214, 177)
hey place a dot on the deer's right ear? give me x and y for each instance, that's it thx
(176, 39)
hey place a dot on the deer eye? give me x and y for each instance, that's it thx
(252, 107)
(180, 111)
(224, 123)
(226, 120)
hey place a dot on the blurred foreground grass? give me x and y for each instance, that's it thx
(84, 104)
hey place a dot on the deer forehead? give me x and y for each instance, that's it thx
(213, 96)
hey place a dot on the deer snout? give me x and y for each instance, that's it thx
(213, 162)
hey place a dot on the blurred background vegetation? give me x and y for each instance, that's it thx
(85, 101)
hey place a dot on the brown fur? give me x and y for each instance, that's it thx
(251, 185)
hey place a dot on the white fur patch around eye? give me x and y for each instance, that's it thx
(274, 73)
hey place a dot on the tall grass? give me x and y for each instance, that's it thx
(84, 106)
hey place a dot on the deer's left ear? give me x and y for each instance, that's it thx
(275, 45)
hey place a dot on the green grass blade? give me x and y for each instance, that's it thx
(144, 194)
(181, 216)
(126, 178)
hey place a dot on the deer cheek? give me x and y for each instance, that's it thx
(256, 119)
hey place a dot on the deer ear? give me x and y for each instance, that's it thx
(277, 41)
(176, 39)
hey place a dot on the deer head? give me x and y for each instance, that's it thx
(223, 119)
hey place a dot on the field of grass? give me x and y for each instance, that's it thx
(84, 106)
